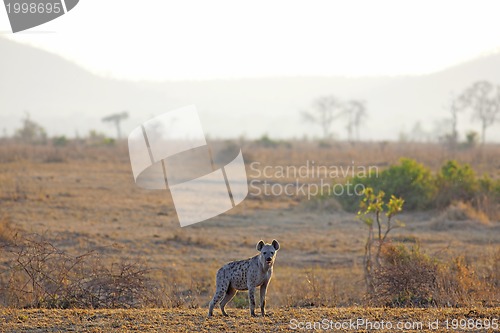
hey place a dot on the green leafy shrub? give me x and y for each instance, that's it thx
(267, 142)
(471, 139)
(59, 141)
(456, 183)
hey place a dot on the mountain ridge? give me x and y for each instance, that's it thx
(65, 98)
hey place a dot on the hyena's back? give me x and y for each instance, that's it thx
(235, 274)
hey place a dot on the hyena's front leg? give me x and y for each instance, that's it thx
(251, 296)
(263, 290)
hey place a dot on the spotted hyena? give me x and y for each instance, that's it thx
(246, 275)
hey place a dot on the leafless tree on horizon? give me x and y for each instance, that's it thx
(325, 110)
(483, 98)
(355, 110)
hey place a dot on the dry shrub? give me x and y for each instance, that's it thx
(34, 273)
(490, 205)
(457, 284)
(408, 277)
(465, 211)
(405, 278)
(123, 284)
(459, 213)
(488, 199)
(493, 275)
(37, 274)
(488, 271)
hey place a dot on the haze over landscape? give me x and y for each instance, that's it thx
(66, 99)
(251, 69)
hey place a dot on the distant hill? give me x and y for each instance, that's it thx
(67, 99)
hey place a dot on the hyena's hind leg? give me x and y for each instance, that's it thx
(229, 296)
(220, 290)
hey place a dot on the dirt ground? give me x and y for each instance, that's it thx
(354, 319)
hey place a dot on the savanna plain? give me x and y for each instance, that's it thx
(83, 249)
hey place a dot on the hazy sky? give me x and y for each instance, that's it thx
(187, 39)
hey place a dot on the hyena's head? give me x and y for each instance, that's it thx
(267, 252)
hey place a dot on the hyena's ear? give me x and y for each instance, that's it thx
(276, 245)
(260, 245)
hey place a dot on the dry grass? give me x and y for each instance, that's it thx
(409, 277)
(7, 231)
(280, 320)
(459, 213)
(381, 154)
(84, 198)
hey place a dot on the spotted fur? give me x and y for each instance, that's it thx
(246, 274)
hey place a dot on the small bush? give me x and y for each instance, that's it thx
(457, 284)
(60, 141)
(408, 278)
(459, 214)
(267, 142)
(471, 139)
(405, 278)
(456, 183)
(36, 274)
(99, 139)
(371, 208)
(492, 277)
(488, 198)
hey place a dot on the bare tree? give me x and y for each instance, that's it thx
(324, 111)
(355, 110)
(116, 119)
(31, 132)
(455, 105)
(484, 99)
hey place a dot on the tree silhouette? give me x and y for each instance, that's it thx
(484, 99)
(116, 119)
(456, 105)
(355, 110)
(31, 132)
(325, 110)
